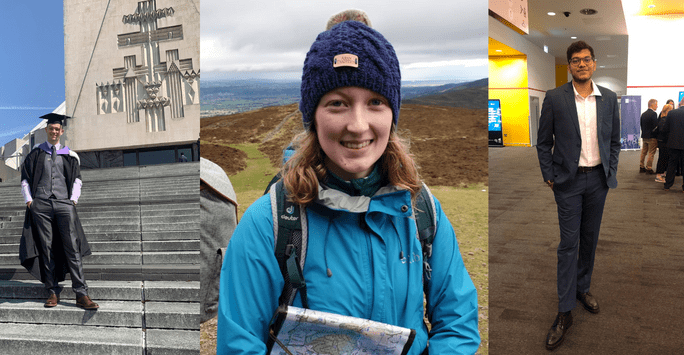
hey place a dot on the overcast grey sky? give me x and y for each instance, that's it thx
(434, 40)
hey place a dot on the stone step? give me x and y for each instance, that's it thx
(105, 257)
(121, 272)
(169, 220)
(112, 236)
(171, 235)
(10, 236)
(170, 213)
(172, 342)
(132, 211)
(13, 236)
(169, 315)
(106, 208)
(95, 222)
(100, 228)
(110, 313)
(189, 257)
(123, 258)
(32, 339)
(154, 227)
(98, 290)
(131, 236)
(160, 291)
(9, 248)
(112, 246)
(170, 206)
(172, 291)
(171, 245)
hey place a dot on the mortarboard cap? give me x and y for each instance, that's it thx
(55, 118)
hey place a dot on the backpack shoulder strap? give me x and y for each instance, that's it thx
(289, 230)
(426, 223)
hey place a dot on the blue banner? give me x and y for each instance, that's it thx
(494, 116)
(630, 113)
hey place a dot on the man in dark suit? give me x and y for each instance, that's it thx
(649, 120)
(52, 241)
(578, 147)
(674, 129)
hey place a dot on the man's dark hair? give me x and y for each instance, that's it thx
(578, 47)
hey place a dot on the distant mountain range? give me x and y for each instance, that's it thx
(472, 94)
(222, 97)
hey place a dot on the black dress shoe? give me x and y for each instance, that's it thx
(558, 330)
(642, 170)
(588, 301)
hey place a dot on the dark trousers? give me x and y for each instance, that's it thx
(62, 213)
(661, 167)
(674, 160)
(580, 209)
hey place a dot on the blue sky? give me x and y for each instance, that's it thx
(32, 62)
(268, 39)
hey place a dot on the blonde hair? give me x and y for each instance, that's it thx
(667, 108)
(306, 167)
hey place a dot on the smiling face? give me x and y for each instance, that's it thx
(353, 126)
(54, 131)
(582, 72)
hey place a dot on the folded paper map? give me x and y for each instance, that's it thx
(304, 331)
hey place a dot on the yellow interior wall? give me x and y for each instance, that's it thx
(508, 83)
(561, 74)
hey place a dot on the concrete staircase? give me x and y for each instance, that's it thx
(142, 224)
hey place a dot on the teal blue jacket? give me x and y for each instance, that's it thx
(362, 244)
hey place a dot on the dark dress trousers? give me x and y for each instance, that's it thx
(662, 145)
(674, 129)
(580, 196)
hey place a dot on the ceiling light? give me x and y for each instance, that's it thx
(588, 12)
(573, 37)
(551, 13)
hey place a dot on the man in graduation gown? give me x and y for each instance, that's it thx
(52, 241)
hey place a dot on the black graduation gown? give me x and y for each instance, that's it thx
(29, 247)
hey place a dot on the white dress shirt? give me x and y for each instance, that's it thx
(586, 113)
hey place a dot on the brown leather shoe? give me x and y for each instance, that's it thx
(52, 300)
(588, 301)
(558, 330)
(86, 303)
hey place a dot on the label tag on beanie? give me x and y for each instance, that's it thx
(346, 60)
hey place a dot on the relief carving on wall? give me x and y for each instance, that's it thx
(154, 84)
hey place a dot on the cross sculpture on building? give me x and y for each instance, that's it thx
(152, 85)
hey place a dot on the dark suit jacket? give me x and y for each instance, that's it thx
(674, 128)
(649, 119)
(559, 141)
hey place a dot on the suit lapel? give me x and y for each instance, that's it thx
(600, 114)
(572, 106)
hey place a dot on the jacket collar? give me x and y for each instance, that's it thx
(338, 200)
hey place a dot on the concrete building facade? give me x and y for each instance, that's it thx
(132, 81)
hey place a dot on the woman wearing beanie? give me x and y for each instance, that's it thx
(356, 186)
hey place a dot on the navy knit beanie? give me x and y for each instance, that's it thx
(350, 54)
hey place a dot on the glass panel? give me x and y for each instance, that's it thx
(157, 157)
(187, 152)
(129, 159)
